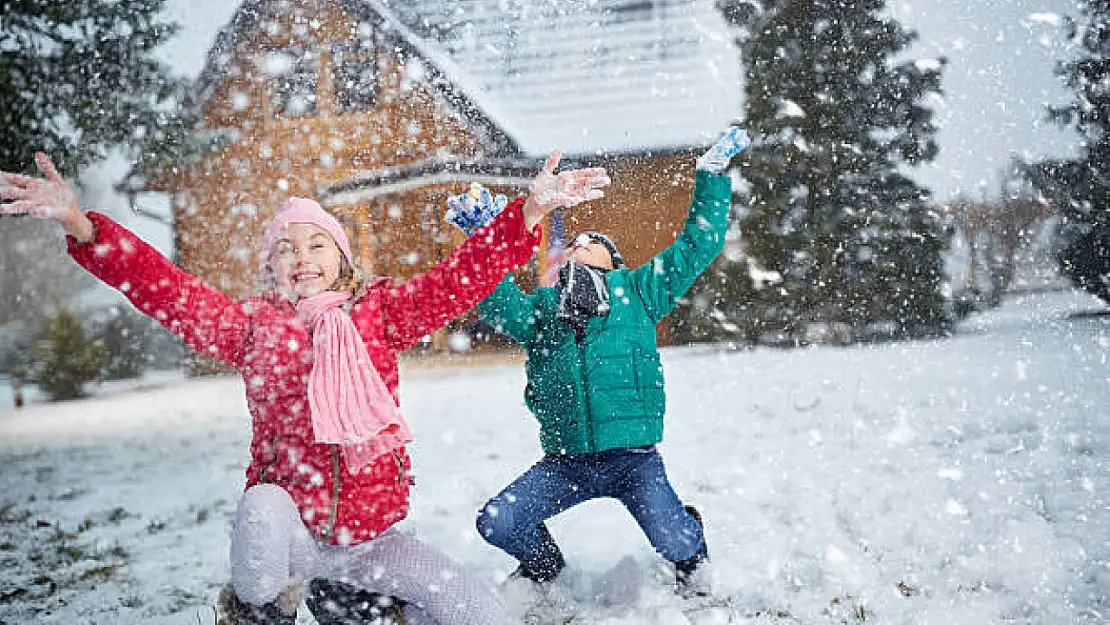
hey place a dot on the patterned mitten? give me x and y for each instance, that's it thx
(717, 157)
(474, 209)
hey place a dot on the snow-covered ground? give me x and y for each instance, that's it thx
(955, 481)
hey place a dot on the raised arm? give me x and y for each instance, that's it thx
(667, 276)
(207, 320)
(427, 302)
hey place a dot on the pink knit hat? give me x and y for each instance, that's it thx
(299, 210)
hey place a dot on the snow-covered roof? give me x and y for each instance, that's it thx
(375, 183)
(450, 83)
(588, 77)
(593, 75)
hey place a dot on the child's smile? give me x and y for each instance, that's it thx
(308, 282)
(305, 260)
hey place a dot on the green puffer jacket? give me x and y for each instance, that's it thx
(607, 391)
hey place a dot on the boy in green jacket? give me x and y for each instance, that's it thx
(595, 383)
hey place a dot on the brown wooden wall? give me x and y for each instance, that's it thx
(645, 207)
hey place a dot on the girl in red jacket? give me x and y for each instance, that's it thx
(318, 355)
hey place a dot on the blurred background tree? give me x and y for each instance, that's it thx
(79, 78)
(65, 358)
(1080, 187)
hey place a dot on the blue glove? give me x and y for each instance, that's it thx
(474, 209)
(717, 157)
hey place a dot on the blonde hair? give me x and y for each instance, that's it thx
(350, 278)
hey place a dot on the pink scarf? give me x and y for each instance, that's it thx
(351, 405)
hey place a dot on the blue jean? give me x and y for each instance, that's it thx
(513, 520)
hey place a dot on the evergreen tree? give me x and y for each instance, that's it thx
(78, 78)
(65, 358)
(831, 226)
(1080, 187)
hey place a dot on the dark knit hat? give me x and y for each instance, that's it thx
(618, 262)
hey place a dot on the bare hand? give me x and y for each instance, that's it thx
(562, 190)
(46, 198)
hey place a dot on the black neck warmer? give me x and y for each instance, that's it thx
(583, 293)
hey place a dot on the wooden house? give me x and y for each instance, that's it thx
(381, 116)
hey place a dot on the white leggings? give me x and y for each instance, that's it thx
(271, 549)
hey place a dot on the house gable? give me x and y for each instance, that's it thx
(284, 148)
(258, 23)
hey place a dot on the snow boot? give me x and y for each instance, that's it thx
(550, 560)
(536, 598)
(233, 611)
(688, 582)
(546, 577)
(527, 582)
(337, 603)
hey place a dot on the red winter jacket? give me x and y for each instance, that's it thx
(265, 340)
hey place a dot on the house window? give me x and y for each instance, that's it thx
(355, 73)
(293, 73)
(621, 11)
